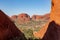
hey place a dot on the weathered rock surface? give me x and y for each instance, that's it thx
(23, 18)
(8, 31)
(14, 17)
(46, 16)
(51, 31)
(55, 11)
(39, 17)
(36, 17)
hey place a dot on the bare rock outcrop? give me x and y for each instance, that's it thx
(51, 31)
(14, 17)
(46, 16)
(36, 17)
(23, 18)
(39, 17)
(8, 30)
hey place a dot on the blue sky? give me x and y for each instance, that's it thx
(31, 7)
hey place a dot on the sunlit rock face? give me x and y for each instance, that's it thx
(51, 31)
(36, 17)
(40, 17)
(23, 18)
(55, 11)
(13, 18)
(8, 31)
(46, 16)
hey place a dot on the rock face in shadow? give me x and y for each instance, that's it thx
(53, 32)
(8, 31)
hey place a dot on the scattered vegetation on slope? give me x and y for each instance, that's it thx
(30, 27)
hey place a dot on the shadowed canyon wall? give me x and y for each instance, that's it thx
(8, 30)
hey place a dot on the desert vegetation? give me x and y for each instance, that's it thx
(30, 27)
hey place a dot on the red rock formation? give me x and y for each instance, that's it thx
(55, 11)
(36, 17)
(8, 30)
(46, 16)
(51, 31)
(23, 18)
(14, 17)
